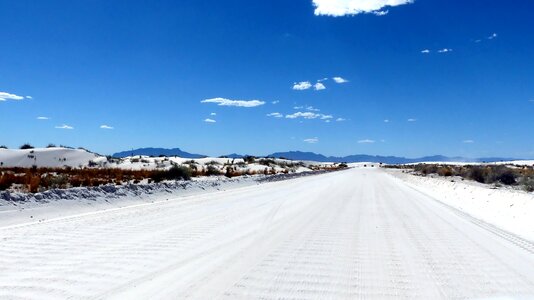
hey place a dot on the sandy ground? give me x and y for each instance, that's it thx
(352, 234)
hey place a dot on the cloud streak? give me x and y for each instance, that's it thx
(208, 120)
(4, 96)
(340, 79)
(275, 115)
(338, 8)
(308, 115)
(106, 127)
(43, 118)
(313, 140)
(237, 103)
(366, 141)
(65, 126)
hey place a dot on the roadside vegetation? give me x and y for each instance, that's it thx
(35, 179)
(498, 175)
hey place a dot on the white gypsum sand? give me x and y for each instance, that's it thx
(352, 234)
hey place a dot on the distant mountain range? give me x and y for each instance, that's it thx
(158, 152)
(299, 155)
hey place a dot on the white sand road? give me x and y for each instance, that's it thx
(354, 234)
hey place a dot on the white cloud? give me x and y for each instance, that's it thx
(305, 115)
(275, 115)
(468, 141)
(339, 79)
(386, 121)
(308, 115)
(322, 79)
(312, 140)
(208, 120)
(275, 102)
(366, 141)
(29, 97)
(337, 8)
(106, 127)
(341, 119)
(327, 121)
(412, 120)
(426, 51)
(309, 108)
(303, 85)
(64, 126)
(238, 103)
(43, 118)
(319, 86)
(213, 114)
(492, 36)
(445, 50)
(7, 96)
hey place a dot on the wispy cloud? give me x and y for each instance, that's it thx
(366, 141)
(303, 85)
(337, 8)
(425, 51)
(444, 50)
(468, 141)
(492, 36)
(29, 97)
(275, 102)
(309, 108)
(338, 79)
(312, 140)
(64, 126)
(322, 79)
(275, 115)
(43, 118)
(208, 120)
(341, 119)
(7, 96)
(381, 13)
(238, 103)
(412, 120)
(386, 121)
(106, 127)
(319, 86)
(308, 115)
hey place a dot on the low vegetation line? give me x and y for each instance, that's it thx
(498, 175)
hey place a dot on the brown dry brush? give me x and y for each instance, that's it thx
(40, 179)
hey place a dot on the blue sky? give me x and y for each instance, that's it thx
(145, 69)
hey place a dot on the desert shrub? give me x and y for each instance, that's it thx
(174, 173)
(445, 171)
(343, 166)
(3, 147)
(26, 146)
(266, 161)
(503, 175)
(528, 183)
(477, 174)
(211, 170)
(249, 159)
(50, 145)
